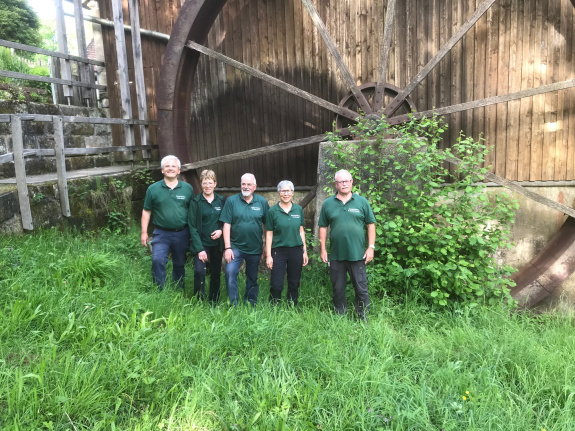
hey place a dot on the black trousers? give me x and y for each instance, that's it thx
(288, 259)
(338, 270)
(215, 262)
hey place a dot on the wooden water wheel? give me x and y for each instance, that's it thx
(243, 81)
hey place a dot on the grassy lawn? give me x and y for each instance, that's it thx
(87, 343)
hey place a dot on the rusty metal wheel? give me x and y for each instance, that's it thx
(190, 33)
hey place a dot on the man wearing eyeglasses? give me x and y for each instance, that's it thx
(244, 217)
(347, 214)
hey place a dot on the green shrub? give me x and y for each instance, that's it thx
(437, 231)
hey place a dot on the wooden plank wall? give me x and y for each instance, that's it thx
(516, 45)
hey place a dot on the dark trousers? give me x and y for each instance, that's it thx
(215, 263)
(290, 259)
(338, 270)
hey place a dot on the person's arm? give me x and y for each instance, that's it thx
(302, 234)
(322, 240)
(228, 253)
(196, 245)
(268, 245)
(368, 256)
(146, 215)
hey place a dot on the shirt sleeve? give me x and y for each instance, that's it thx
(369, 216)
(269, 221)
(227, 212)
(195, 240)
(148, 200)
(323, 221)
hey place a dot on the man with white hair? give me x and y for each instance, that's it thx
(167, 201)
(244, 217)
(347, 214)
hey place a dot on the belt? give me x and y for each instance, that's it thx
(179, 229)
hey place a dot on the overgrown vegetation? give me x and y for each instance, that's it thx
(22, 89)
(87, 343)
(437, 231)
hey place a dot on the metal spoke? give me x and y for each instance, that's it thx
(348, 113)
(384, 60)
(396, 103)
(346, 74)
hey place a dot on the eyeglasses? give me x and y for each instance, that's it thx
(286, 192)
(343, 182)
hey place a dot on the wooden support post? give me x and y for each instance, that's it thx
(61, 165)
(85, 69)
(65, 71)
(20, 168)
(139, 74)
(123, 76)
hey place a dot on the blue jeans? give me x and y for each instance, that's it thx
(163, 242)
(232, 271)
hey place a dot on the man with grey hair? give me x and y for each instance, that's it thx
(167, 201)
(243, 217)
(347, 214)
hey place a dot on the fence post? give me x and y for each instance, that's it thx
(85, 68)
(61, 165)
(20, 169)
(65, 71)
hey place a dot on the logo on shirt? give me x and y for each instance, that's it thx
(218, 208)
(353, 210)
(295, 215)
(180, 197)
(256, 208)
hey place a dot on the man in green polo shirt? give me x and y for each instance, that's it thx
(347, 214)
(167, 201)
(244, 217)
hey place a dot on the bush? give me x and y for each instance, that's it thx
(437, 231)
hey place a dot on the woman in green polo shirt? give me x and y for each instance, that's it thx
(285, 244)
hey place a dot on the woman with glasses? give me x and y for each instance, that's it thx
(285, 244)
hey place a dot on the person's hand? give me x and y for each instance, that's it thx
(229, 255)
(203, 256)
(305, 258)
(270, 262)
(144, 239)
(216, 234)
(368, 256)
(324, 256)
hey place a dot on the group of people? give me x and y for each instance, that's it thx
(243, 228)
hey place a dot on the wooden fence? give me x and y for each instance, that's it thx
(60, 153)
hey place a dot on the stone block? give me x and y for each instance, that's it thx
(97, 141)
(40, 165)
(9, 206)
(80, 129)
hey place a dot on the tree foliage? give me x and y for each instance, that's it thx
(19, 22)
(437, 231)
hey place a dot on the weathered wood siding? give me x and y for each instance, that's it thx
(516, 45)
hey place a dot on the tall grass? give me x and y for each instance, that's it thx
(87, 343)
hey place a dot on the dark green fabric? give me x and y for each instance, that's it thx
(169, 207)
(285, 226)
(346, 222)
(246, 222)
(203, 219)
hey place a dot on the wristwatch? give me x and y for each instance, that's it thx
(372, 246)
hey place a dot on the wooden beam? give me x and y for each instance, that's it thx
(400, 98)
(348, 113)
(65, 82)
(139, 74)
(49, 53)
(123, 77)
(5, 118)
(309, 197)
(348, 79)
(20, 169)
(61, 166)
(82, 51)
(485, 102)
(521, 190)
(384, 56)
(255, 152)
(65, 70)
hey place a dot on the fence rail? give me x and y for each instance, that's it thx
(19, 154)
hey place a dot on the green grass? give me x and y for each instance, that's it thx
(87, 343)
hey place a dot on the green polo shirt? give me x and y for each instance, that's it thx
(209, 217)
(246, 222)
(169, 206)
(347, 221)
(285, 226)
